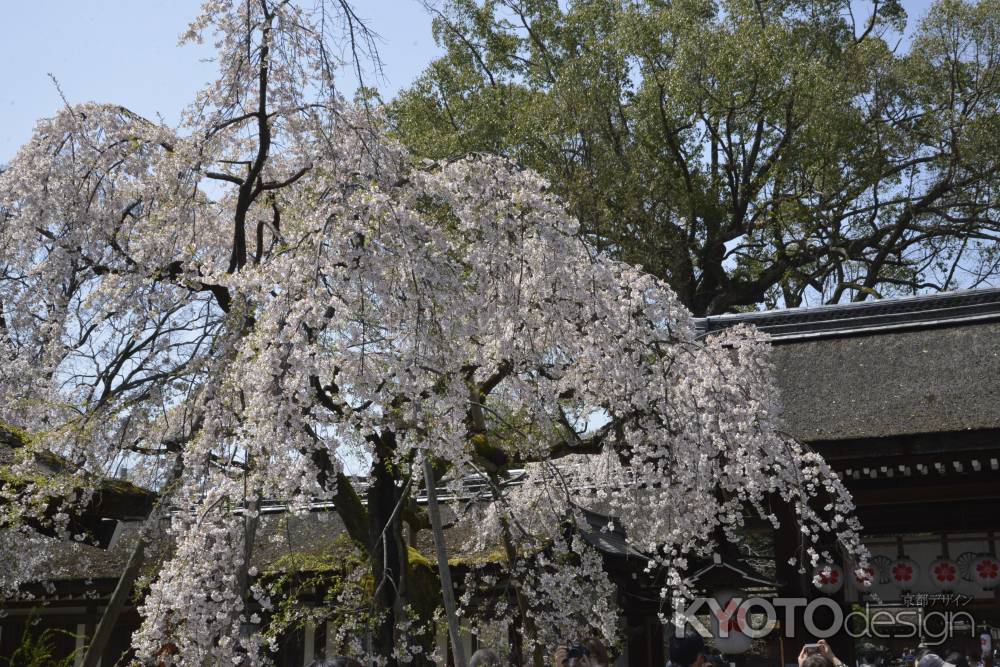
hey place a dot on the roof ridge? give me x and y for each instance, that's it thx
(942, 308)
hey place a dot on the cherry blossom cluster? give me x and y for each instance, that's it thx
(566, 593)
(31, 550)
(193, 613)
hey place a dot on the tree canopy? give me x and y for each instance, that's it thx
(747, 152)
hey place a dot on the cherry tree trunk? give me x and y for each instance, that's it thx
(389, 558)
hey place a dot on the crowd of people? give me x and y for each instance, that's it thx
(690, 650)
(925, 657)
(821, 655)
(589, 652)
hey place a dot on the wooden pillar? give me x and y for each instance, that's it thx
(308, 643)
(329, 649)
(81, 644)
(787, 543)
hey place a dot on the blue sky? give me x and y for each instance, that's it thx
(125, 51)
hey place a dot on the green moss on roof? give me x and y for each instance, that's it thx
(18, 482)
(122, 487)
(337, 556)
(13, 436)
(418, 560)
(16, 438)
(306, 561)
(51, 459)
(497, 556)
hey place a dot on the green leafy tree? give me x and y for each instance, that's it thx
(747, 151)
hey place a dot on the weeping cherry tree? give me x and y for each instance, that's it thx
(236, 306)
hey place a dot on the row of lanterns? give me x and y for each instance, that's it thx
(944, 573)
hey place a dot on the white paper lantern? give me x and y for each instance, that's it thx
(904, 573)
(828, 578)
(944, 574)
(985, 571)
(728, 621)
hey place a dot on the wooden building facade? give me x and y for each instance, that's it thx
(902, 398)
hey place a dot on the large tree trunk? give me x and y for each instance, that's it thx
(792, 584)
(251, 521)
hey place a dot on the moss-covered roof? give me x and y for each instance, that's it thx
(886, 368)
(108, 500)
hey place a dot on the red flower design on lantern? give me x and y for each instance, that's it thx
(987, 569)
(945, 572)
(865, 576)
(829, 577)
(902, 572)
(731, 619)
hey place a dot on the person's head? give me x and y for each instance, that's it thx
(921, 653)
(817, 660)
(597, 650)
(574, 655)
(957, 658)
(687, 650)
(336, 661)
(714, 660)
(933, 660)
(484, 657)
(816, 655)
(868, 656)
